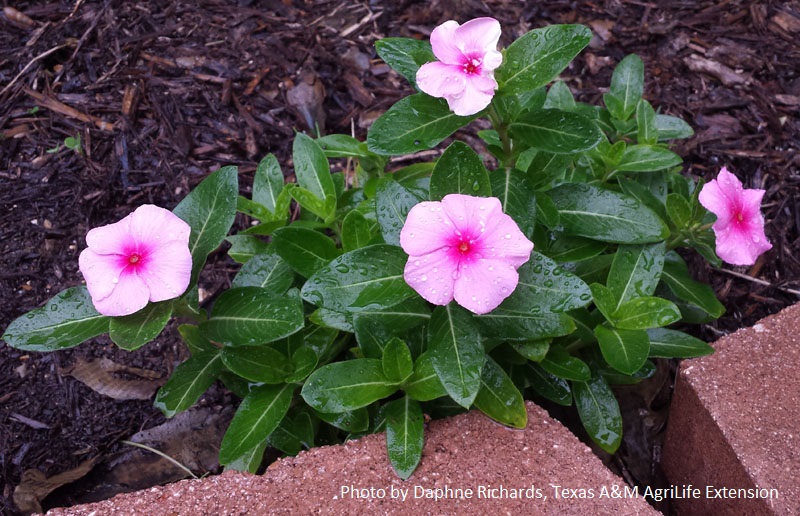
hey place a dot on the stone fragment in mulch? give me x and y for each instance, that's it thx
(735, 423)
(503, 469)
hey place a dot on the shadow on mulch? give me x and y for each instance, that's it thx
(162, 93)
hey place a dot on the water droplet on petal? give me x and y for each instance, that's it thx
(508, 236)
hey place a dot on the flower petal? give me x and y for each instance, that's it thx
(427, 229)
(477, 36)
(432, 276)
(441, 80)
(444, 44)
(101, 271)
(167, 271)
(128, 296)
(153, 225)
(483, 285)
(473, 99)
(112, 238)
(741, 244)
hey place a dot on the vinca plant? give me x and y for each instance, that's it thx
(436, 287)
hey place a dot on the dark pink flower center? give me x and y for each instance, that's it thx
(472, 66)
(133, 259)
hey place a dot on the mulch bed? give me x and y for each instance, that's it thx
(162, 93)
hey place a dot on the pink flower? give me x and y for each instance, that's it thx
(739, 227)
(464, 74)
(143, 257)
(463, 247)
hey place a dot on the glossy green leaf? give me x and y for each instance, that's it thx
(604, 300)
(324, 209)
(679, 210)
(294, 433)
(614, 377)
(499, 398)
(268, 183)
(647, 158)
(304, 250)
(424, 383)
(257, 363)
(66, 320)
(303, 362)
(405, 427)
(374, 328)
(250, 316)
(209, 210)
(517, 197)
(134, 331)
(642, 313)
(397, 362)
(636, 271)
(549, 386)
(405, 55)
(599, 412)
(624, 350)
(415, 123)
(313, 171)
(352, 421)
(257, 417)
(606, 215)
(646, 130)
(355, 231)
(244, 247)
(370, 277)
(250, 460)
(649, 192)
(546, 170)
(559, 97)
(546, 285)
(456, 352)
(267, 271)
(342, 146)
(627, 86)
(533, 350)
(556, 131)
(560, 363)
(537, 57)
(515, 321)
(459, 170)
(672, 128)
(195, 340)
(574, 249)
(676, 276)
(188, 382)
(666, 343)
(393, 201)
(332, 319)
(348, 385)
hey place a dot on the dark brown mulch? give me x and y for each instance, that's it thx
(162, 93)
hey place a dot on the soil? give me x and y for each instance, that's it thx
(163, 93)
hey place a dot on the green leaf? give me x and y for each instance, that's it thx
(647, 158)
(188, 382)
(676, 276)
(257, 363)
(250, 316)
(534, 350)
(267, 271)
(134, 331)
(405, 55)
(304, 361)
(646, 130)
(405, 428)
(350, 421)
(549, 287)
(574, 249)
(304, 250)
(459, 170)
(295, 432)
(355, 231)
(517, 197)
(250, 460)
(348, 385)
(624, 350)
(342, 146)
(559, 97)
(397, 362)
(332, 319)
(546, 170)
(456, 352)
(424, 383)
(67, 319)
(672, 128)
(257, 417)
(560, 363)
(313, 171)
(244, 247)
(209, 210)
(521, 322)
(194, 339)
(599, 412)
(309, 201)
(393, 201)
(268, 184)
(556, 131)
(499, 398)
(537, 57)
(605, 215)
(413, 124)
(374, 328)
(636, 271)
(370, 277)
(642, 313)
(549, 386)
(665, 343)
(679, 210)
(604, 300)
(627, 86)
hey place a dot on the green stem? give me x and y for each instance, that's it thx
(502, 132)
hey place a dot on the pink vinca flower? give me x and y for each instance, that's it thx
(464, 248)
(739, 227)
(143, 257)
(464, 73)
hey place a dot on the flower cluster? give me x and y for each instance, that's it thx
(464, 248)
